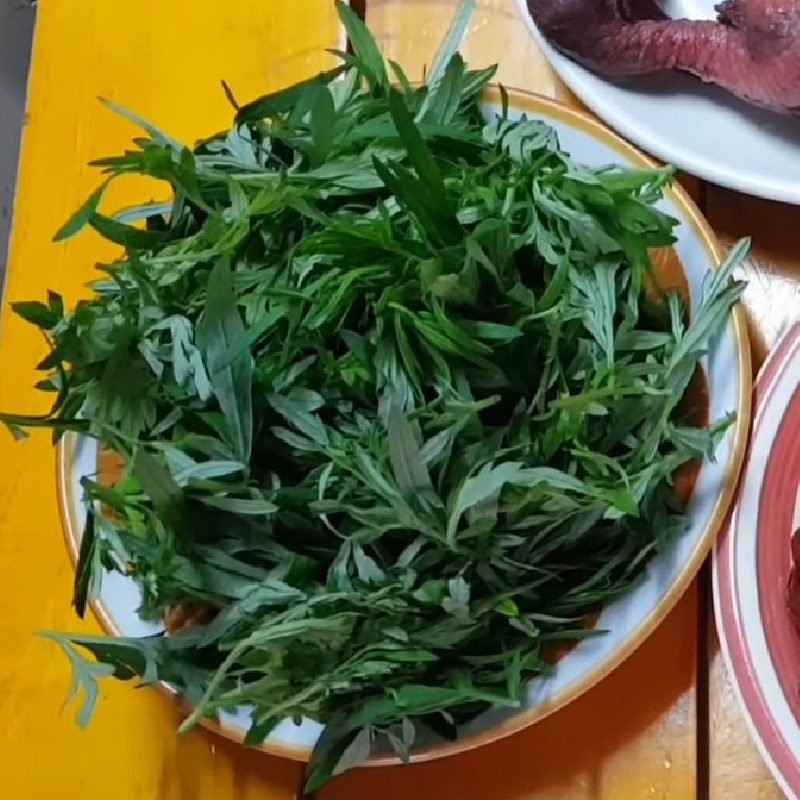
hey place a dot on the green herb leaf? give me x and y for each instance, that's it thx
(156, 481)
(37, 314)
(368, 57)
(83, 216)
(220, 328)
(393, 408)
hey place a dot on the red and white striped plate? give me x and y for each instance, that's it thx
(752, 560)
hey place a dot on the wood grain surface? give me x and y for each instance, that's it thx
(633, 737)
(772, 301)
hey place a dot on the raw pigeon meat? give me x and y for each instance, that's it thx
(752, 50)
(793, 590)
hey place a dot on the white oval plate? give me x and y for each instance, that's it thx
(696, 127)
(629, 620)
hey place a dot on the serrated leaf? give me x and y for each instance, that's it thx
(85, 675)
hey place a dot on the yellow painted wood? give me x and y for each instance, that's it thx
(164, 60)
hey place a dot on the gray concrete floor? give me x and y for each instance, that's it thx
(16, 32)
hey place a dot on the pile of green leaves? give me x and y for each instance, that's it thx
(394, 411)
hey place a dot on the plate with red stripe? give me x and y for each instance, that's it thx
(753, 565)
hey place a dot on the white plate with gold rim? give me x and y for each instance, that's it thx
(630, 619)
(697, 127)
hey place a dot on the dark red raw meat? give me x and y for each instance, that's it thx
(793, 593)
(753, 50)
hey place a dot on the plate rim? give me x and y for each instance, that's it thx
(570, 73)
(530, 103)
